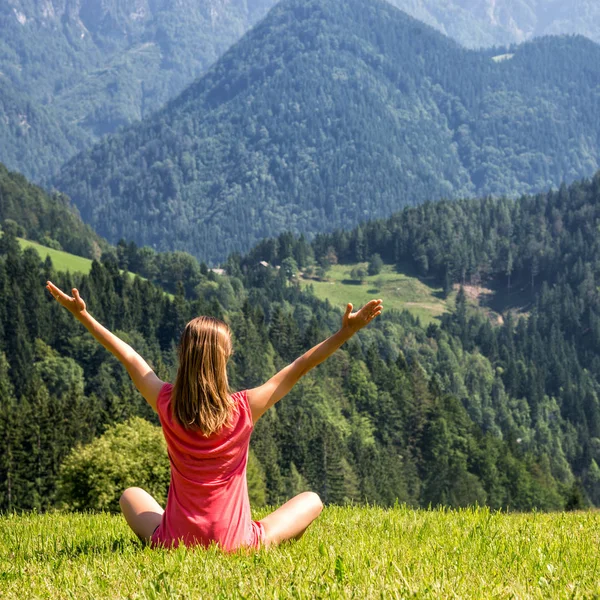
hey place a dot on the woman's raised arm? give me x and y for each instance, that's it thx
(143, 376)
(265, 396)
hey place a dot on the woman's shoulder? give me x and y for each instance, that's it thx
(165, 390)
(241, 400)
(240, 397)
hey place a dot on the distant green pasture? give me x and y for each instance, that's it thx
(397, 290)
(62, 261)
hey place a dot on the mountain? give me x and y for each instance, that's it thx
(329, 112)
(73, 71)
(91, 66)
(482, 23)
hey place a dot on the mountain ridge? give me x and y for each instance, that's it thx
(78, 70)
(489, 23)
(328, 112)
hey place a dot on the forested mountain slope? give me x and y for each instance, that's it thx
(457, 413)
(329, 112)
(72, 71)
(482, 23)
(48, 219)
(544, 249)
(340, 432)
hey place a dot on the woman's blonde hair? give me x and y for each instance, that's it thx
(201, 398)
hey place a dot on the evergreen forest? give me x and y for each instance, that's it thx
(460, 412)
(75, 71)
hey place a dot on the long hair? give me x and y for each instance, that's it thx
(201, 398)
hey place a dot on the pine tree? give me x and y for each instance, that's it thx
(10, 437)
(255, 477)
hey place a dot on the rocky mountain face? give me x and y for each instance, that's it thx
(87, 67)
(482, 23)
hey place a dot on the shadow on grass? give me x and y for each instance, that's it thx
(409, 270)
(87, 547)
(351, 282)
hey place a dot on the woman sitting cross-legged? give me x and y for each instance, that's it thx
(207, 429)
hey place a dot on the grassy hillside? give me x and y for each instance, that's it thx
(350, 553)
(62, 261)
(399, 291)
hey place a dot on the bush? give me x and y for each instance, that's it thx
(358, 274)
(375, 265)
(94, 476)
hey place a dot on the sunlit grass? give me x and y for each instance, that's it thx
(398, 291)
(352, 552)
(62, 261)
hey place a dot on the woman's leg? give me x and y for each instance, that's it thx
(291, 520)
(141, 511)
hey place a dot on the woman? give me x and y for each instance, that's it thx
(207, 430)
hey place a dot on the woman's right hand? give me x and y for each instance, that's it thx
(355, 321)
(74, 304)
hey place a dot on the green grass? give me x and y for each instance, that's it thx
(62, 261)
(353, 552)
(398, 291)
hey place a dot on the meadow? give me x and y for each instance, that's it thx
(351, 552)
(62, 261)
(66, 262)
(399, 291)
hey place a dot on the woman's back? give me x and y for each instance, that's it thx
(208, 495)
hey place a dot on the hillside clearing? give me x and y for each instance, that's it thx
(398, 291)
(351, 552)
(62, 261)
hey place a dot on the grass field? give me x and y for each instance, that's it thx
(62, 261)
(353, 552)
(398, 291)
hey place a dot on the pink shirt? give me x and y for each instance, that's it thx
(208, 495)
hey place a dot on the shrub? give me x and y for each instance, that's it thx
(133, 453)
(375, 265)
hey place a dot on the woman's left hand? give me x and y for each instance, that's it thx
(74, 304)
